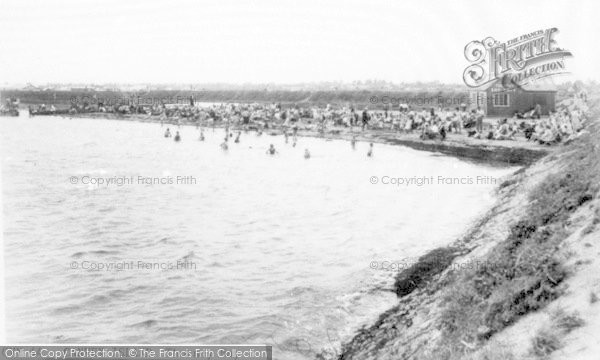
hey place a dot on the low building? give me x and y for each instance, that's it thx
(502, 102)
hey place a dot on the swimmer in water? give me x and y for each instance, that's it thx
(306, 154)
(370, 153)
(353, 142)
(237, 138)
(168, 133)
(177, 137)
(224, 145)
(294, 144)
(271, 150)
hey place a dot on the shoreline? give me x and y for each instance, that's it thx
(496, 152)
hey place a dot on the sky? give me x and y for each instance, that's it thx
(274, 41)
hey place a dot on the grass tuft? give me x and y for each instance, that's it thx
(545, 343)
(567, 322)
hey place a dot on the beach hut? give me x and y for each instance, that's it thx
(503, 102)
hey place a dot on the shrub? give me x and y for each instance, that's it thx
(428, 265)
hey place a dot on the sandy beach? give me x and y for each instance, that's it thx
(518, 151)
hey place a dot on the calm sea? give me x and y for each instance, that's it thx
(191, 244)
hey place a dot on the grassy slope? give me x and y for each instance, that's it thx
(446, 313)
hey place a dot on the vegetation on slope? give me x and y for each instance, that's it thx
(524, 272)
(520, 274)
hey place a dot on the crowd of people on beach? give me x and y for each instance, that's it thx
(427, 123)
(562, 125)
(10, 107)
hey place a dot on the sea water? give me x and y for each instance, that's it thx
(189, 243)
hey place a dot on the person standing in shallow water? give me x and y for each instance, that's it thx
(271, 150)
(177, 137)
(168, 133)
(370, 153)
(306, 154)
(353, 142)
